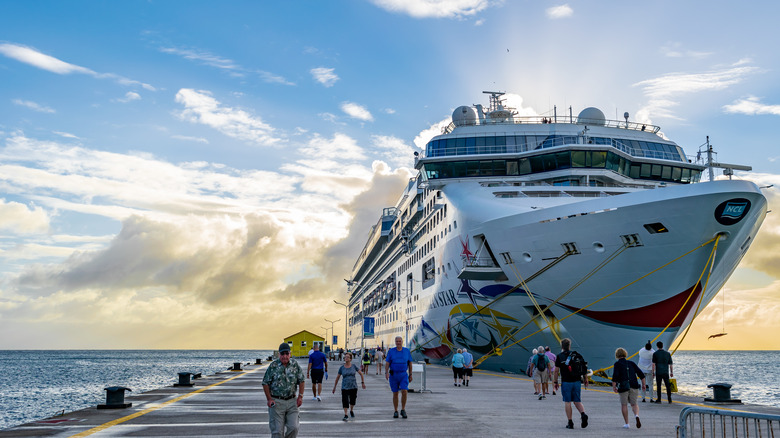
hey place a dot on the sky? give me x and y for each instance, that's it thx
(202, 175)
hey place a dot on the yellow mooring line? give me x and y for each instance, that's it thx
(105, 426)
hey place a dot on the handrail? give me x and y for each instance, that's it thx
(701, 422)
(542, 120)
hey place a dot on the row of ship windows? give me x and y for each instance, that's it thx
(523, 143)
(561, 160)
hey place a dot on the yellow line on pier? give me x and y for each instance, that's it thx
(146, 411)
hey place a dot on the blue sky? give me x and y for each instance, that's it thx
(202, 175)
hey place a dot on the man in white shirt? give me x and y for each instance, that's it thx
(646, 365)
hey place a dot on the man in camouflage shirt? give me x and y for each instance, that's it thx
(279, 383)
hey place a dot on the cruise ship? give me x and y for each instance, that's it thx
(520, 231)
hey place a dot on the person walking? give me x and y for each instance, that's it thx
(550, 355)
(379, 357)
(398, 372)
(624, 375)
(318, 366)
(646, 365)
(573, 370)
(541, 365)
(468, 365)
(349, 386)
(279, 382)
(662, 369)
(366, 361)
(457, 366)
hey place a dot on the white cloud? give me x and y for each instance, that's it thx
(325, 76)
(190, 138)
(356, 111)
(675, 50)
(23, 219)
(34, 106)
(751, 106)
(395, 151)
(434, 8)
(129, 97)
(340, 147)
(663, 91)
(37, 59)
(202, 108)
(562, 11)
(207, 58)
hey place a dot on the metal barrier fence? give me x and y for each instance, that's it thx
(713, 423)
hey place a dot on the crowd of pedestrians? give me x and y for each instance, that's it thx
(566, 371)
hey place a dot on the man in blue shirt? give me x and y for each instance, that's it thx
(399, 373)
(468, 366)
(318, 366)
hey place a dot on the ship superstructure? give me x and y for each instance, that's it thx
(520, 231)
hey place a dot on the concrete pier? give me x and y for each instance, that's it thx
(232, 404)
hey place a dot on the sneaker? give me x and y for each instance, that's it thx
(395, 414)
(553, 392)
(584, 418)
(467, 383)
(657, 401)
(459, 387)
(314, 398)
(625, 426)
(345, 418)
(570, 425)
(643, 400)
(403, 413)
(638, 423)
(319, 398)
(670, 400)
(352, 414)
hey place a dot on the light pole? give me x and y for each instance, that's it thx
(326, 333)
(331, 325)
(346, 348)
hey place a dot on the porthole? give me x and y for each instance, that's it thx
(598, 247)
(527, 257)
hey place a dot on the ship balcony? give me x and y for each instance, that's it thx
(481, 269)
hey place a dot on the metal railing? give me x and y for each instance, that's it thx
(514, 120)
(706, 422)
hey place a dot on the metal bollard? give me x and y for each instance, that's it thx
(258, 361)
(721, 393)
(236, 366)
(184, 379)
(115, 398)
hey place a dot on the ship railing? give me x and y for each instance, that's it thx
(706, 422)
(548, 143)
(541, 120)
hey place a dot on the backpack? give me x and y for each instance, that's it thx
(541, 362)
(577, 365)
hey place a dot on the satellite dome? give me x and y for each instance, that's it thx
(591, 116)
(464, 115)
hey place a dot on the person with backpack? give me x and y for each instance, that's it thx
(541, 366)
(624, 375)
(573, 369)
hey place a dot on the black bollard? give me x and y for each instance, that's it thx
(115, 398)
(721, 393)
(236, 366)
(258, 361)
(197, 376)
(184, 379)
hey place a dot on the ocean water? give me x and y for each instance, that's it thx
(38, 384)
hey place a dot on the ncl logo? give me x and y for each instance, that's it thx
(734, 209)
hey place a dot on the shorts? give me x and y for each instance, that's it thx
(399, 381)
(541, 376)
(571, 392)
(348, 397)
(457, 373)
(316, 376)
(629, 397)
(469, 371)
